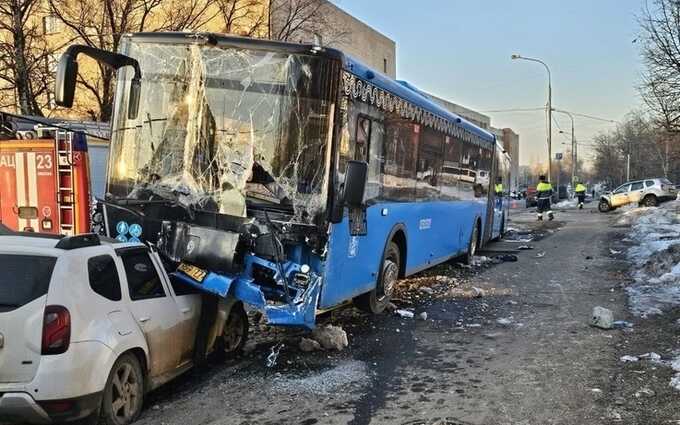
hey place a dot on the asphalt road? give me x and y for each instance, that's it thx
(527, 357)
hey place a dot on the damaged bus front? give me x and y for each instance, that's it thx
(220, 156)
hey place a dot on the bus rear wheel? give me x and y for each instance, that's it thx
(472, 245)
(377, 300)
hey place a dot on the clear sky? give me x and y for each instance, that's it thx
(460, 50)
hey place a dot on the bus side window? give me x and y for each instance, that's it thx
(400, 145)
(450, 174)
(429, 164)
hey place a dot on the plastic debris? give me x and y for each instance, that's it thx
(602, 318)
(614, 252)
(507, 258)
(331, 337)
(621, 324)
(274, 355)
(644, 392)
(525, 247)
(629, 359)
(405, 313)
(426, 289)
(423, 315)
(307, 345)
(540, 255)
(504, 321)
(675, 382)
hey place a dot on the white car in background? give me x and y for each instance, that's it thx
(88, 327)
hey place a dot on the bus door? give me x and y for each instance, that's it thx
(355, 252)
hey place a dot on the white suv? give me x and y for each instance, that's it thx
(87, 327)
(648, 193)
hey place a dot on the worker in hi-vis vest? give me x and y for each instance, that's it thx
(544, 193)
(499, 186)
(580, 191)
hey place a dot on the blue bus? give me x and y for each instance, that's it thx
(289, 177)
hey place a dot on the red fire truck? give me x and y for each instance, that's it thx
(45, 181)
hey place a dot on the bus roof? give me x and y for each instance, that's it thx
(412, 94)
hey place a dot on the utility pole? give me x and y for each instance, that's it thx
(549, 108)
(574, 157)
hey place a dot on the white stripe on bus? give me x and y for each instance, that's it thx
(21, 185)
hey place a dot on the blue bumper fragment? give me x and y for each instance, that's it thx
(299, 312)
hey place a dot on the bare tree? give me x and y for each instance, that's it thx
(243, 17)
(25, 57)
(300, 20)
(101, 24)
(660, 38)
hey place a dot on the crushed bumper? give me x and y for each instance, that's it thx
(299, 311)
(20, 407)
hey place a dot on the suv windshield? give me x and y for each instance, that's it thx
(24, 278)
(223, 126)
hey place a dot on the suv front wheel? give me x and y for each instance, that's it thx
(650, 201)
(124, 392)
(604, 206)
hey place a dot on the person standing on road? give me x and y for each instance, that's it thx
(544, 192)
(580, 194)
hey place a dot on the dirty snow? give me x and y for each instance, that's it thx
(569, 203)
(655, 256)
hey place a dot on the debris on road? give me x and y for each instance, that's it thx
(475, 292)
(602, 318)
(505, 321)
(644, 392)
(423, 315)
(540, 255)
(507, 258)
(405, 314)
(426, 289)
(525, 247)
(307, 345)
(331, 337)
(614, 252)
(629, 359)
(274, 355)
(621, 324)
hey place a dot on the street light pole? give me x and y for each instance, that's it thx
(517, 56)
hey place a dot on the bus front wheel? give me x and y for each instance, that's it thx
(377, 300)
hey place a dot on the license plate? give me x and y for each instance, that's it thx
(193, 272)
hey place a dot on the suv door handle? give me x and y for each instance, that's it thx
(186, 310)
(144, 319)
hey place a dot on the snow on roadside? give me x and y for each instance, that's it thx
(569, 203)
(655, 255)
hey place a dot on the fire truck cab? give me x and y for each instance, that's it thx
(44, 181)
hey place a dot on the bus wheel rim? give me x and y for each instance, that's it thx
(390, 273)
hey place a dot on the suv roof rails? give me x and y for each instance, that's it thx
(79, 241)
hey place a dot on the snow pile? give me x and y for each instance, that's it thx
(655, 256)
(569, 203)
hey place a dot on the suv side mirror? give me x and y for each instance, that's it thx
(355, 183)
(65, 83)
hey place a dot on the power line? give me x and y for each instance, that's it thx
(592, 117)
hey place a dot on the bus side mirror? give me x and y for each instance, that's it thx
(355, 183)
(133, 102)
(65, 83)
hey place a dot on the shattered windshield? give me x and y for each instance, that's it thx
(223, 129)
